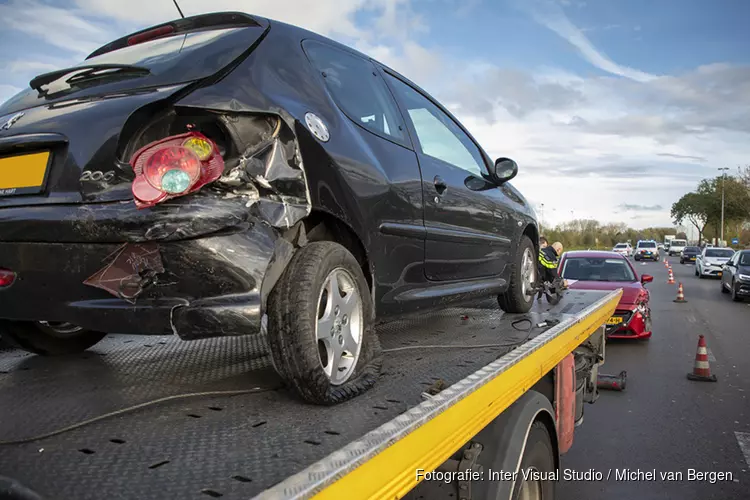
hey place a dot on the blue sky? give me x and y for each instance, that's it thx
(613, 108)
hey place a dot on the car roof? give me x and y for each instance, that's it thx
(594, 253)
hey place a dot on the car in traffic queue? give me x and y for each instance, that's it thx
(226, 174)
(600, 270)
(646, 250)
(623, 249)
(689, 254)
(735, 276)
(710, 262)
(676, 247)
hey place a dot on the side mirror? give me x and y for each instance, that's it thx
(503, 170)
(646, 278)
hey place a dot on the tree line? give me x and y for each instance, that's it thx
(586, 233)
(702, 208)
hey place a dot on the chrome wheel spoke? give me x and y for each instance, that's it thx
(339, 327)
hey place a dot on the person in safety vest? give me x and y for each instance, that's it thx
(549, 256)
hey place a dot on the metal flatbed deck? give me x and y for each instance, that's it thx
(267, 443)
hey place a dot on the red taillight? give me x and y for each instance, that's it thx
(7, 277)
(174, 167)
(150, 35)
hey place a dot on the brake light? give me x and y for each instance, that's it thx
(7, 277)
(150, 35)
(173, 167)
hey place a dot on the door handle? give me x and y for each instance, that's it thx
(440, 185)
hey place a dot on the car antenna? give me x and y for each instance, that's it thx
(178, 9)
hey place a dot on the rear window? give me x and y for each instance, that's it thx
(621, 245)
(647, 244)
(691, 250)
(173, 59)
(597, 269)
(719, 252)
(678, 243)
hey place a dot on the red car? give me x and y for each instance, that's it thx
(592, 270)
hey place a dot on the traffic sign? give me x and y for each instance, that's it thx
(735, 241)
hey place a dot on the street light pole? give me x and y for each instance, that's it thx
(723, 178)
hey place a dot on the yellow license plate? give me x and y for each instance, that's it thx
(614, 320)
(23, 174)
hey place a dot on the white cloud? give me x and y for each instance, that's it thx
(551, 15)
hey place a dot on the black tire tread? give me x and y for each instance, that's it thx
(291, 320)
(29, 337)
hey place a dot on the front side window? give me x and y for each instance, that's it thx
(358, 90)
(438, 135)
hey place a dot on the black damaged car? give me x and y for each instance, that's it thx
(225, 174)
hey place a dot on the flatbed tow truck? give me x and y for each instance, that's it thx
(463, 389)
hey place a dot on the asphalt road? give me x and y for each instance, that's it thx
(663, 422)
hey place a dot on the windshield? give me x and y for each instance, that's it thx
(170, 60)
(745, 259)
(597, 269)
(647, 244)
(678, 243)
(719, 252)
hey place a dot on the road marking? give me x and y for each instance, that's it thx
(692, 319)
(711, 357)
(743, 439)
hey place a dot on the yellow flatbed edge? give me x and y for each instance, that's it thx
(383, 463)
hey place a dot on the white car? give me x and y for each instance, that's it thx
(623, 249)
(676, 247)
(646, 249)
(710, 261)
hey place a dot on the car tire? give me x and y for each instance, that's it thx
(300, 356)
(515, 300)
(682, 261)
(48, 339)
(723, 288)
(538, 455)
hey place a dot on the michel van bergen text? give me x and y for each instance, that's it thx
(574, 475)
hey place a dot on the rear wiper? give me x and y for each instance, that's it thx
(86, 72)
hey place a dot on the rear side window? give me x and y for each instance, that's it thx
(358, 90)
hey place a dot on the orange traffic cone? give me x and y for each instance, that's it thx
(671, 277)
(701, 369)
(680, 295)
(666, 264)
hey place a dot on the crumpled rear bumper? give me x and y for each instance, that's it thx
(205, 287)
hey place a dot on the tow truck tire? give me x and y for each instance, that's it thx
(47, 341)
(514, 300)
(538, 455)
(292, 325)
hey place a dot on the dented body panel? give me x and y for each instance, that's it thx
(210, 286)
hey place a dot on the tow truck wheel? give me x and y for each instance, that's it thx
(522, 279)
(48, 338)
(320, 326)
(538, 457)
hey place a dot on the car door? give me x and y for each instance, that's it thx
(729, 271)
(467, 218)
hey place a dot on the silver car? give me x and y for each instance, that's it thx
(710, 261)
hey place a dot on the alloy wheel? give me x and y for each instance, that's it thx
(340, 326)
(528, 272)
